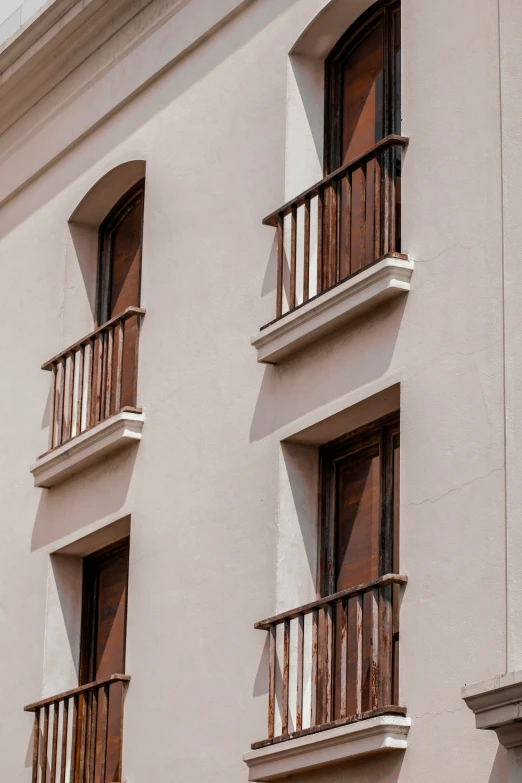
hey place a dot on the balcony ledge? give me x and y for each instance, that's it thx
(497, 705)
(388, 278)
(117, 432)
(368, 737)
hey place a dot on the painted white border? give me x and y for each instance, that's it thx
(123, 429)
(324, 748)
(368, 289)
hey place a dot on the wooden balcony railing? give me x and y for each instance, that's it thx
(342, 224)
(77, 735)
(334, 661)
(95, 378)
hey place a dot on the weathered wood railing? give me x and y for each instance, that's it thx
(340, 225)
(334, 660)
(73, 739)
(95, 378)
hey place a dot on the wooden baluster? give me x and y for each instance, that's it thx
(108, 379)
(98, 372)
(119, 366)
(395, 643)
(271, 680)
(60, 401)
(36, 743)
(104, 337)
(286, 676)
(374, 670)
(359, 659)
(88, 737)
(387, 205)
(65, 404)
(72, 372)
(377, 208)
(314, 679)
(79, 399)
(348, 226)
(328, 663)
(74, 738)
(299, 687)
(306, 250)
(83, 737)
(104, 731)
(45, 743)
(385, 646)
(344, 656)
(293, 259)
(93, 724)
(54, 745)
(65, 729)
(280, 262)
(337, 251)
(52, 431)
(362, 217)
(90, 386)
(320, 242)
(393, 178)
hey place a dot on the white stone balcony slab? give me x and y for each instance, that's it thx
(382, 734)
(370, 288)
(117, 432)
(497, 704)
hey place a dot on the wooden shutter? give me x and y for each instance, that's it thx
(119, 271)
(104, 620)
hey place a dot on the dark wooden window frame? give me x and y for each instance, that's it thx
(90, 588)
(382, 10)
(383, 433)
(117, 214)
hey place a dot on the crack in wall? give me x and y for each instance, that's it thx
(454, 489)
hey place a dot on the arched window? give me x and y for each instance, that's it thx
(363, 85)
(119, 269)
(350, 219)
(362, 107)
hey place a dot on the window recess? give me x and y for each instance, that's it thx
(77, 734)
(338, 656)
(94, 381)
(348, 223)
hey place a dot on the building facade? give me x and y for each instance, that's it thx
(262, 391)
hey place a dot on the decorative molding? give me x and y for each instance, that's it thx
(46, 70)
(365, 291)
(497, 704)
(122, 430)
(325, 748)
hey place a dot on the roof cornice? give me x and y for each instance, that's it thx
(45, 78)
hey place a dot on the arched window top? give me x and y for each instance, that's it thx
(120, 245)
(362, 88)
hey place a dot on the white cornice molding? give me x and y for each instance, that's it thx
(384, 734)
(497, 704)
(44, 53)
(120, 431)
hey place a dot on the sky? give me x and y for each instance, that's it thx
(14, 13)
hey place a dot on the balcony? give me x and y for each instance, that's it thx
(77, 735)
(93, 399)
(333, 681)
(342, 239)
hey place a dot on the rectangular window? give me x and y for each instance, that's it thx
(359, 543)
(102, 653)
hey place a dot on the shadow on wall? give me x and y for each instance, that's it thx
(286, 395)
(84, 499)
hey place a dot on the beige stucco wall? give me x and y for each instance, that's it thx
(217, 522)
